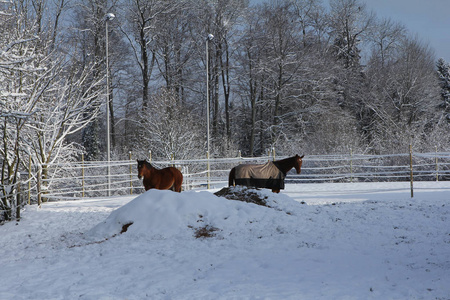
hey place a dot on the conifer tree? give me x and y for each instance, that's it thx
(443, 69)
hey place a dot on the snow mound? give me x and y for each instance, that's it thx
(164, 214)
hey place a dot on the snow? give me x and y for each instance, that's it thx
(316, 241)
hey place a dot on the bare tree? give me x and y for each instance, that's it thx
(310, 17)
(349, 21)
(386, 38)
(221, 19)
(405, 97)
(280, 63)
(250, 50)
(141, 31)
(87, 37)
(169, 129)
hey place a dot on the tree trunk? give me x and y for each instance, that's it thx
(226, 89)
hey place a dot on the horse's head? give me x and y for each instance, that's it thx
(142, 166)
(298, 163)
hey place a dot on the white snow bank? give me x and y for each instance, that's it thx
(349, 241)
(164, 214)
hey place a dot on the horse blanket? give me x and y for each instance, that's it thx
(264, 176)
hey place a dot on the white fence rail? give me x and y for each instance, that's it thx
(89, 179)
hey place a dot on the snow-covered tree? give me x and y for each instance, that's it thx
(386, 37)
(18, 96)
(443, 70)
(68, 105)
(88, 46)
(349, 22)
(169, 129)
(44, 98)
(404, 98)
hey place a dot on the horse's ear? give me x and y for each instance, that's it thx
(301, 156)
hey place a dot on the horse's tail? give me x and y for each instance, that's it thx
(231, 177)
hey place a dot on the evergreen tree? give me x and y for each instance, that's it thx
(443, 69)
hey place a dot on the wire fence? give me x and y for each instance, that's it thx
(85, 179)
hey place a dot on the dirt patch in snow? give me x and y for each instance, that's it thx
(243, 194)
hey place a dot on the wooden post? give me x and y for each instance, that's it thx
(18, 200)
(82, 175)
(411, 170)
(29, 180)
(38, 186)
(351, 165)
(186, 181)
(131, 174)
(150, 155)
(44, 182)
(208, 169)
(273, 153)
(437, 166)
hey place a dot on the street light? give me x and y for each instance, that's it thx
(108, 17)
(209, 38)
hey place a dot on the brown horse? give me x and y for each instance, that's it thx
(161, 179)
(283, 165)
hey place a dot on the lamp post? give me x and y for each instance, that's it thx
(108, 17)
(209, 38)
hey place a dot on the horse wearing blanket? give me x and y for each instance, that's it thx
(270, 175)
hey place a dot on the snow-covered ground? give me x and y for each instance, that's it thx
(318, 241)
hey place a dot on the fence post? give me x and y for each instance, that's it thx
(29, 180)
(351, 165)
(208, 168)
(437, 166)
(18, 200)
(273, 153)
(150, 155)
(411, 170)
(131, 174)
(38, 186)
(82, 175)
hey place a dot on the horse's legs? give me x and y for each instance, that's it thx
(178, 182)
(174, 185)
(231, 177)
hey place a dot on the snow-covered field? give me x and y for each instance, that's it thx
(318, 241)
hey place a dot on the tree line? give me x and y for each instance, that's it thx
(303, 76)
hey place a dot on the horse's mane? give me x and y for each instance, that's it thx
(148, 165)
(282, 162)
